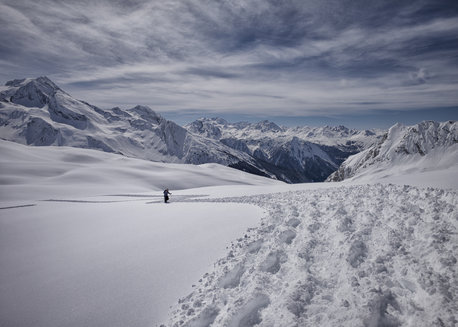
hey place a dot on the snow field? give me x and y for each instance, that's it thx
(38, 173)
(372, 255)
(121, 262)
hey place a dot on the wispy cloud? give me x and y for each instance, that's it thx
(259, 57)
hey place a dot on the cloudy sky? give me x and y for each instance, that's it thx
(357, 62)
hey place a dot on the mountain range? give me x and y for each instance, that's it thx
(293, 154)
(38, 112)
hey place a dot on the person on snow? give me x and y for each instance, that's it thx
(166, 195)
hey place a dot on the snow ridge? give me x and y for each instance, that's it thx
(427, 145)
(336, 257)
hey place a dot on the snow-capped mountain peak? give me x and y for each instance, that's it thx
(421, 139)
(427, 135)
(146, 113)
(267, 126)
(42, 82)
(210, 128)
(427, 145)
(38, 112)
(30, 92)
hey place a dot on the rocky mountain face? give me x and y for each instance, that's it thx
(428, 142)
(38, 112)
(293, 154)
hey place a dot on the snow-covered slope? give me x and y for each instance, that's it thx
(299, 154)
(86, 239)
(38, 112)
(427, 146)
(45, 172)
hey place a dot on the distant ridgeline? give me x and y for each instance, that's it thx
(38, 112)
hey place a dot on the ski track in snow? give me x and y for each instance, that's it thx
(157, 199)
(370, 255)
(18, 206)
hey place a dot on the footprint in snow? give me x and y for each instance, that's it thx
(205, 318)
(273, 261)
(250, 314)
(293, 222)
(232, 278)
(357, 253)
(314, 227)
(255, 246)
(287, 236)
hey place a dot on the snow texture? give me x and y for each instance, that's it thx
(372, 255)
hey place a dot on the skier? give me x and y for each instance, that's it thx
(166, 195)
